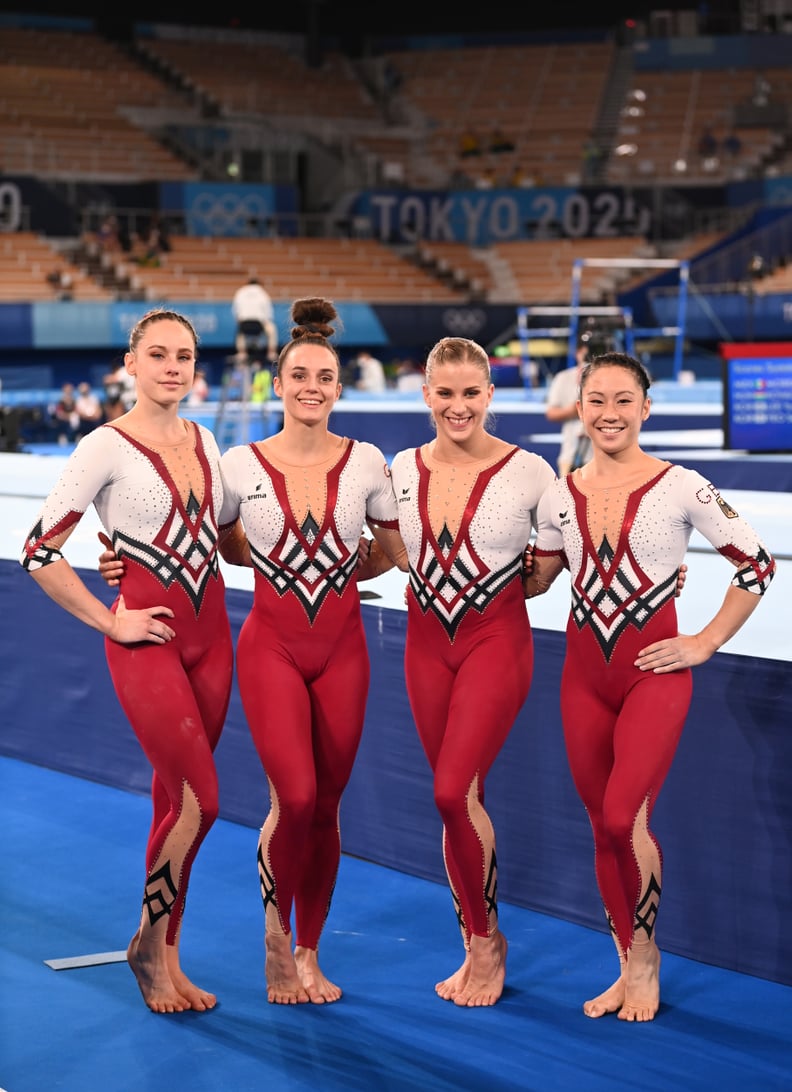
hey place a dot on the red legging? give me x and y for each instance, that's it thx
(465, 697)
(621, 728)
(304, 693)
(175, 697)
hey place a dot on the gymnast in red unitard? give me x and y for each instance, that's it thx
(295, 508)
(467, 511)
(621, 524)
(155, 482)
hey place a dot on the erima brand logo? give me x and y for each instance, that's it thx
(564, 518)
(405, 495)
(258, 495)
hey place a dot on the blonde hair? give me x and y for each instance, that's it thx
(458, 350)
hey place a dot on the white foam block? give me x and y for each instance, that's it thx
(94, 960)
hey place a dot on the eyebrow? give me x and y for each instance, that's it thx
(617, 393)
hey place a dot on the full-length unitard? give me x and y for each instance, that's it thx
(469, 648)
(621, 724)
(159, 507)
(302, 661)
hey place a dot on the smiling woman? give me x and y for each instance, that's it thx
(621, 524)
(294, 510)
(154, 480)
(467, 508)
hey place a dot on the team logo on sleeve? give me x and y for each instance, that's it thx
(705, 495)
(727, 509)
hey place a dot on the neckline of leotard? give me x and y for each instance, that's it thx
(430, 459)
(277, 460)
(586, 487)
(154, 445)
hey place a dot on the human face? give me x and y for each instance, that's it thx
(163, 363)
(308, 383)
(458, 397)
(613, 407)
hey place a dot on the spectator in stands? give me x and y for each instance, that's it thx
(155, 243)
(593, 159)
(459, 179)
(519, 177)
(370, 373)
(254, 316)
(621, 525)
(65, 415)
(561, 407)
(499, 142)
(469, 144)
(108, 234)
(62, 283)
(89, 409)
(486, 179)
(707, 144)
(154, 479)
(732, 145)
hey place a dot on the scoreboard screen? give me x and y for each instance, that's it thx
(757, 404)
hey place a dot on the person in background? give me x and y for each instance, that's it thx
(707, 146)
(294, 508)
(89, 409)
(469, 144)
(254, 316)
(561, 408)
(621, 524)
(500, 142)
(467, 510)
(371, 374)
(200, 389)
(154, 479)
(120, 383)
(113, 406)
(732, 145)
(409, 376)
(65, 415)
(62, 284)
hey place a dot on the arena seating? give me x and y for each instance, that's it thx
(665, 113)
(544, 98)
(76, 105)
(67, 100)
(350, 269)
(27, 259)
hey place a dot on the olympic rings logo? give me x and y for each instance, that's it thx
(464, 322)
(227, 213)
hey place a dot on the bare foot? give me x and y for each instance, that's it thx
(149, 965)
(318, 988)
(487, 972)
(642, 984)
(450, 987)
(197, 999)
(609, 1001)
(283, 983)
